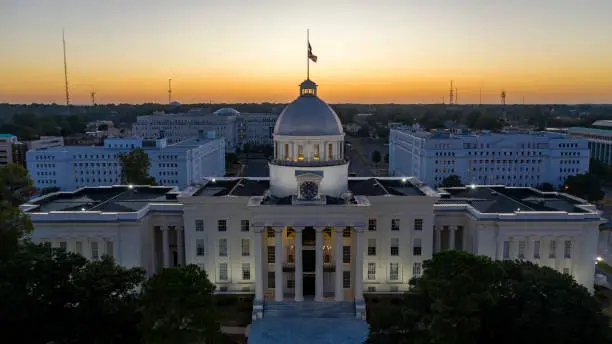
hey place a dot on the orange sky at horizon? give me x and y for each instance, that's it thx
(405, 52)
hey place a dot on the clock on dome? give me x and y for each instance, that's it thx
(309, 190)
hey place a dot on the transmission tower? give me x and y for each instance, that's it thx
(66, 72)
(456, 96)
(503, 98)
(93, 98)
(169, 91)
(450, 94)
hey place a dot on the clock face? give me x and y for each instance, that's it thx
(309, 190)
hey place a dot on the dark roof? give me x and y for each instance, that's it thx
(108, 199)
(382, 187)
(234, 187)
(500, 199)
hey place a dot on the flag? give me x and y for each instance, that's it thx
(310, 54)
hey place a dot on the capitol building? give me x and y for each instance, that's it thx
(311, 233)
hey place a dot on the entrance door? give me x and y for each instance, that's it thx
(309, 285)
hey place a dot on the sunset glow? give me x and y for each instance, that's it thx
(402, 51)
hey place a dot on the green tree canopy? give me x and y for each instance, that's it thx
(15, 184)
(451, 181)
(467, 299)
(63, 298)
(135, 168)
(178, 307)
(546, 187)
(586, 186)
(376, 157)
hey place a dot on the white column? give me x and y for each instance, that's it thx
(359, 265)
(338, 291)
(451, 244)
(278, 265)
(299, 284)
(165, 248)
(438, 233)
(179, 246)
(319, 266)
(259, 287)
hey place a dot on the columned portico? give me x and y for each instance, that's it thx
(319, 264)
(338, 290)
(278, 264)
(299, 278)
(165, 247)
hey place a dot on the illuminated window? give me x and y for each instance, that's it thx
(300, 152)
(286, 151)
(316, 152)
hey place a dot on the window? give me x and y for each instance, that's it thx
(222, 225)
(416, 269)
(417, 247)
(346, 279)
(286, 151)
(553, 249)
(346, 232)
(290, 284)
(393, 271)
(371, 289)
(567, 249)
(371, 247)
(566, 271)
(372, 224)
(63, 245)
(222, 247)
(395, 246)
(418, 224)
(329, 151)
(270, 232)
(94, 250)
(199, 247)
(244, 225)
(199, 225)
(506, 250)
(536, 249)
(110, 249)
(395, 224)
(223, 272)
(316, 152)
(371, 271)
(521, 249)
(246, 247)
(346, 254)
(79, 247)
(271, 254)
(246, 271)
(271, 279)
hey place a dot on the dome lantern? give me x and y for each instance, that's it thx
(308, 88)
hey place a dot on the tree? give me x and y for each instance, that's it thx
(64, 298)
(546, 187)
(586, 186)
(231, 159)
(135, 168)
(246, 148)
(599, 169)
(15, 184)
(178, 307)
(462, 298)
(451, 181)
(386, 158)
(14, 225)
(375, 157)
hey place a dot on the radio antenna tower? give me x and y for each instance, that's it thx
(480, 104)
(169, 91)
(450, 98)
(66, 72)
(93, 98)
(503, 98)
(456, 96)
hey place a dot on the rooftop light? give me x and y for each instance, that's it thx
(82, 209)
(131, 186)
(403, 180)
(599, 259)
(473, 186)
(214, 180)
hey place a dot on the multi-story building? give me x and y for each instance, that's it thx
(236, 128)
(309, 232)
(180, 164)
(11, 150)
(506, 158)
(600, 142)
(45, 142)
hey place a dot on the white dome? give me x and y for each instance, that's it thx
(308, 115)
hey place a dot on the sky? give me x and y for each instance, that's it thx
(384, 51)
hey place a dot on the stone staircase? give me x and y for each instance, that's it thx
(310, 309)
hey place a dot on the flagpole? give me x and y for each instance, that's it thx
(307, 57)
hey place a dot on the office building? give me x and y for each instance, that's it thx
(600, 141)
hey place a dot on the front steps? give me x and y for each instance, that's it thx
(310, 309)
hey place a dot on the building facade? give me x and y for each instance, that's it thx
(600, 142)
(236, 128)
(180, 164)
(508, 158)
(11, 150)
(309, 232)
